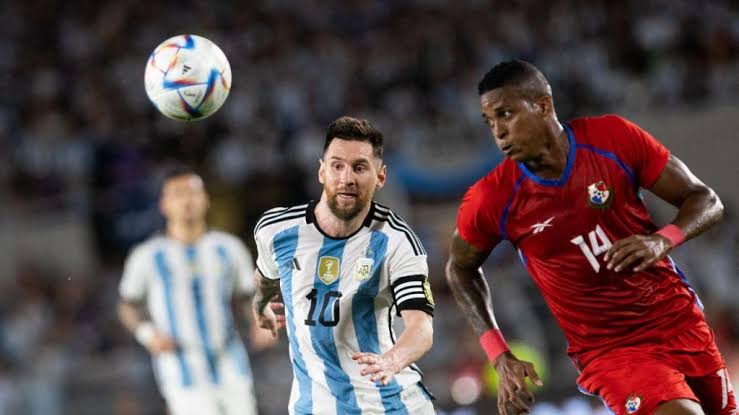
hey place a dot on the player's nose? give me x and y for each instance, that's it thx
(346, 176)
(500, 132)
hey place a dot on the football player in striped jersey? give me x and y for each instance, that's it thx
(346, 267)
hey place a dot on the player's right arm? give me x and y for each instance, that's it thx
(133, 317)
(479, 230)
(131, 308)
(472, 293)
(267, 280)
(264, 306)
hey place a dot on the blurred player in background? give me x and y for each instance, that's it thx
(345, 265)
(176, 295)
(567, 197)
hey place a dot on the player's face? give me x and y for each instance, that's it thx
(517, 123)
(184, 199)
(350, 173)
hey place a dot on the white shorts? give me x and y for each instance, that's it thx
(230, 399)
(232, 394)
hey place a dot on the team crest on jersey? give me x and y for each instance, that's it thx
(599, 195)
(328, 269)
(363, 269)
(427, 291)
(633, 402)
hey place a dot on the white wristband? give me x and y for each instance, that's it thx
(144, 333)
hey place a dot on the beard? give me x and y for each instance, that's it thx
(345, 213)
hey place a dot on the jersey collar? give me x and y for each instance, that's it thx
(310, 217)
(568, 167)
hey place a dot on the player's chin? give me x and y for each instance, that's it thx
(516, 156)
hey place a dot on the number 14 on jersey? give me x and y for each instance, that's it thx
(599, 244)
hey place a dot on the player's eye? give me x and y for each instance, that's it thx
(360, 168)
(337, 166)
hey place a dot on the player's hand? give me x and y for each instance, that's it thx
(637, 252)
(268, 319)
(379, 368)
(260, 339)
(512, 390)
(160, 343)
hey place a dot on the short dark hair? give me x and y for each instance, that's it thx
(355, 129)
(174, 171)
(178, 170)
(517, 73)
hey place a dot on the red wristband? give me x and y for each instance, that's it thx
(493, 343)
(675, 235)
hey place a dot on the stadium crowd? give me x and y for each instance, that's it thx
(82, 149)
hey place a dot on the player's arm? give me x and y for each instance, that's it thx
(413, 343)
(244, 285)
(133, 317)
(264, 306)
(471, 291)
(698, 209)
(259, 338)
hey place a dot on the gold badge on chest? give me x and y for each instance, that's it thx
(328, 269)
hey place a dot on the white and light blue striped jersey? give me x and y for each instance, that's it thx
(340, 295)
(187, 290)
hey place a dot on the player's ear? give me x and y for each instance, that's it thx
(321, 171)
(544, 105)
(381, 176)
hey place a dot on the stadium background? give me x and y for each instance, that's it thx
(81, 152)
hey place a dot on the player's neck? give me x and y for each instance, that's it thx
(552, 160)
(336, 227)
(186, 232)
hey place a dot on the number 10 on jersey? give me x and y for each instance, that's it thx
(599, 244)
(327, 299)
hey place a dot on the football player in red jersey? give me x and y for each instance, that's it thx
(567, 197)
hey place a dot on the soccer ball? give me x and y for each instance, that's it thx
(187, 77)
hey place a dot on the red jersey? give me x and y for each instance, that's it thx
(562, 229)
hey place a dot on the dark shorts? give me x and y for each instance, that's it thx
(637, 379)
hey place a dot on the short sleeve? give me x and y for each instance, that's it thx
(136, 274)
(476, 222)
(244, 265)
(641, 151)
(408, 271)
(266, 263)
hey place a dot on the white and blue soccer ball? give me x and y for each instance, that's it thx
(187, 77)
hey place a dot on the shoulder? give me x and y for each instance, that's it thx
(494, 189)
(146, 249)
(227, 239)
(278, 218)
(604, 121)
(398, 230)
(603, 129)
(149, 245)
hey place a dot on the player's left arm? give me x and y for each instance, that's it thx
(413, 343)
(698, 209)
